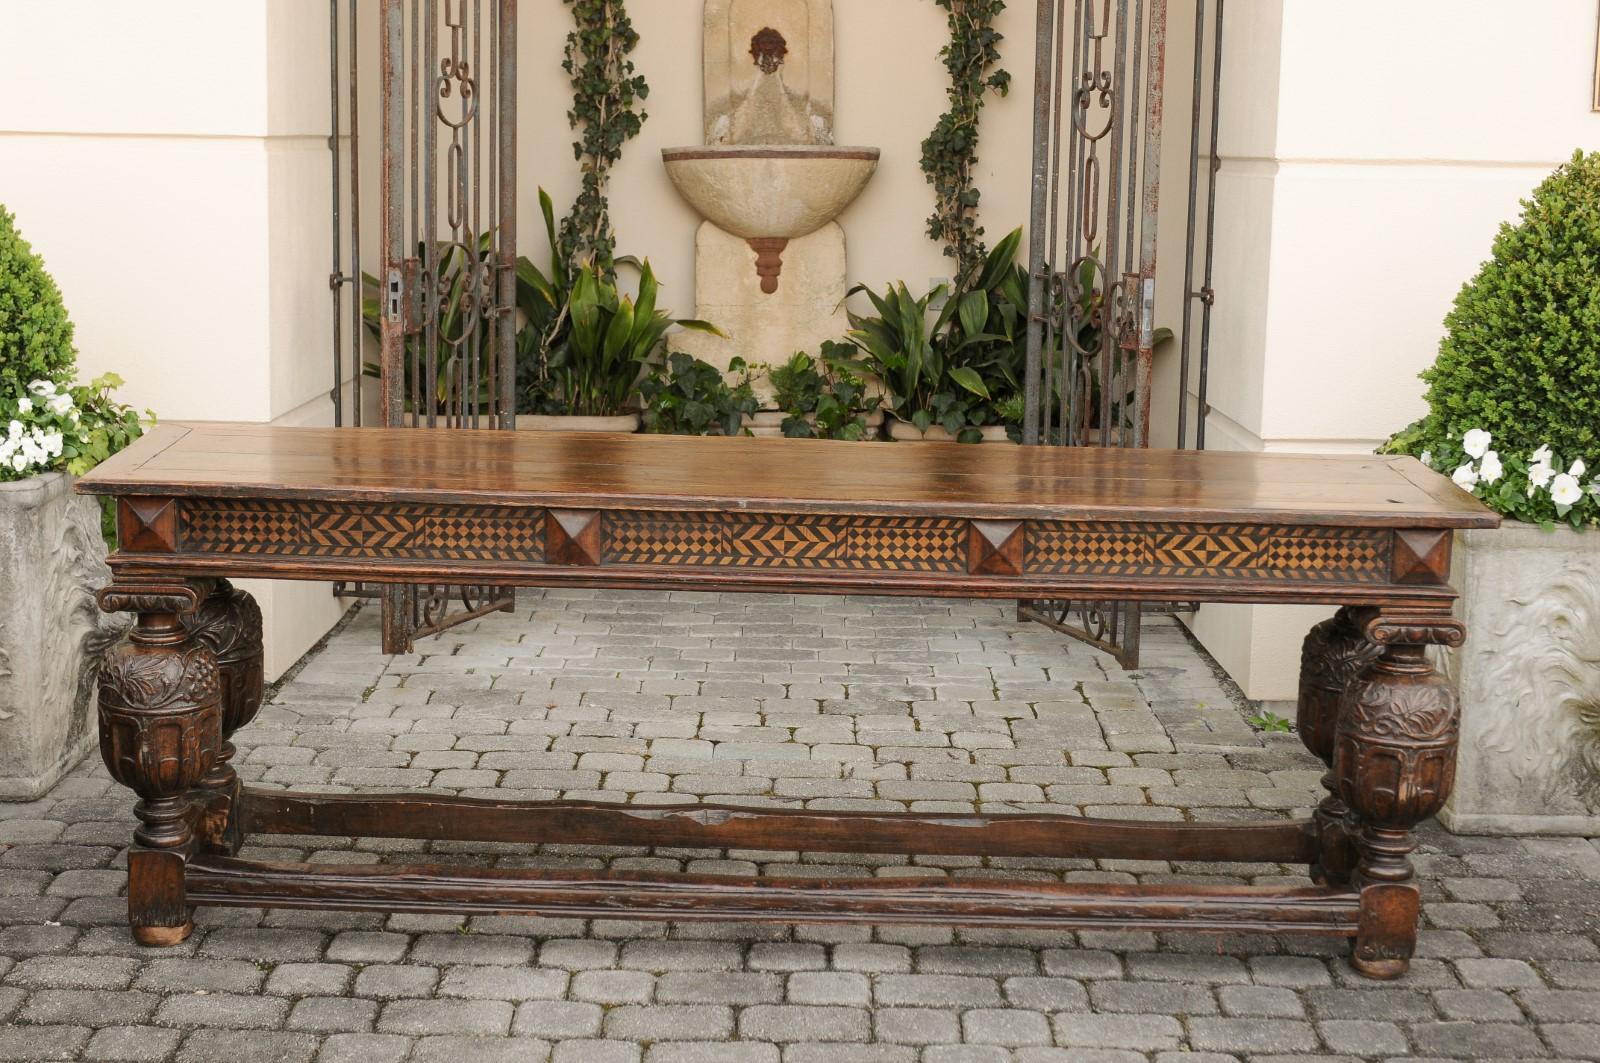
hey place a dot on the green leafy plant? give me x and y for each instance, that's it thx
(49, 428)
(35, 332)
(950, 152)
(606, 93)
(951, 366)
(543, 299)
(1514, 395)
(822, 400)
(597, 370)
(1269, 721)
(688, 397)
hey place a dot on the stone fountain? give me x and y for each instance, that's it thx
(770, 258)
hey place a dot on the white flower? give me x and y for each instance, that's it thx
(1542, 456)
(1475, 443)
(53, 444)
(1490, 469)
(1539, 474)
(14, 430)
(42, 387)
(1426, 457)
(1466, 477)
(1578, 468)
(1564, 490)
(19, 461)
(25, 405)
(60, 404)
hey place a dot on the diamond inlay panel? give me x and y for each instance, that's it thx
(745, 540)
(355, 529)
(1344, 555)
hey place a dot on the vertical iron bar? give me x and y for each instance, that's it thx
(1201, 410)
(336, 276)
(474, 133)
(1039, 209)
(1153, 124)
(1113, 205)
(357, 318)
(418, 298)
(1072, 361)
(397, 611)
(1189, 294)
(506, 115)
(431, 264)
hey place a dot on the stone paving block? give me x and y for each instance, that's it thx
(1140, 1033)
(421, 1017)
(364, 1048)
(132, 1044)
(254, 1046)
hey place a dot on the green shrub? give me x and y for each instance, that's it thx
(1520, 361)
(35, 333)
(688, 397)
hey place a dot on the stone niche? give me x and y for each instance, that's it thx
(768, 72)
(770, 261)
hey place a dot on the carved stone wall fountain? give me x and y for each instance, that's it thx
(770, 258)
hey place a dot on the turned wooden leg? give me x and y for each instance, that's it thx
(160, 733)
(1395, 761)
(1336, 652)
(228, 623)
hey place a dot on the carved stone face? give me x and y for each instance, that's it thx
(768, 48)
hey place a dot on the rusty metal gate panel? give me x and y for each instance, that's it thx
(442, 299)
(1099, 94)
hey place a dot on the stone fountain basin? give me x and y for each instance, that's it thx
(772, 191)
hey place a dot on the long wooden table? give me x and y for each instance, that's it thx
(1371, 535)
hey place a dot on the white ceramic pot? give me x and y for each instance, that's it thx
(906, 432)
(538, 422)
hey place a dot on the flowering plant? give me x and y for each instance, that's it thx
(1540, 487)
(47, 427)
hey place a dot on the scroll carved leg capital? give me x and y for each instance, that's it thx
(160, 735)
(1395, 761)
(228, 623)
(1335, 654)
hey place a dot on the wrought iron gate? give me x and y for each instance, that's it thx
(442, 302)
(1099, 95)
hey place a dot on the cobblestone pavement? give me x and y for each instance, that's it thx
(829, 702)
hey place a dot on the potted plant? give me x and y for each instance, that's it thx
(945, 371)
(818, 399)
(687, 397)
(1514, 418)
(52, 550)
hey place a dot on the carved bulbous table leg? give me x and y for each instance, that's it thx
(1336, 652)
(228, 623)
(160, 732)
(1395, 761)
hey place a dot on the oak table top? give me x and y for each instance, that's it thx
(712, 474)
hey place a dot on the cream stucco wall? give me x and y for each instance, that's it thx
(889, 94)
(1369, 152)
(170, 163)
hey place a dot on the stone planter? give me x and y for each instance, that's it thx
(905, 431)
(52, 559)
(1529, 678)
(768, 424)
(535, 422)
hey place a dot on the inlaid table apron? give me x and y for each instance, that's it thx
(196, 505)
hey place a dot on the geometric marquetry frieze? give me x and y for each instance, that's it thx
(1199, 551)
(955, 546)
(786, 541)
(359, 529)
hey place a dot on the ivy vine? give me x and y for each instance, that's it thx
(606, 94)
(950, 153)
